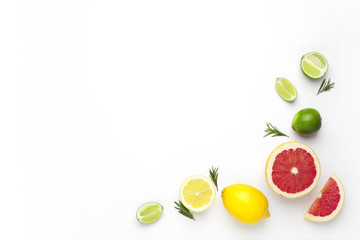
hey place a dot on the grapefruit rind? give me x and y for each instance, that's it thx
(313, 218)
(203, 208)
(270, 162)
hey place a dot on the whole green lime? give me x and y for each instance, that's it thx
(306, 121)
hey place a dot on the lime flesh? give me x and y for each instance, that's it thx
(307, 121)
(285, 89)
(314, 65)
(149, 212)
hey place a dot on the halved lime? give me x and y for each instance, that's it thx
(149, 212)
(285, 89)
(314, 65)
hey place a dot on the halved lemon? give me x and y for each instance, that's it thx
(197, 193)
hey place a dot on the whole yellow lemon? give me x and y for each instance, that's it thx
(245, 203)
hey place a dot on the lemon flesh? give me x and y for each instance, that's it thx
(245, 203)
(149, 212)
(197, 193)
(285, 89)
(314, 65)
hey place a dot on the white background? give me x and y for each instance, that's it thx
(106, 105)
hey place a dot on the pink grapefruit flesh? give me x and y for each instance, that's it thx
(328, 203)
(292, 169)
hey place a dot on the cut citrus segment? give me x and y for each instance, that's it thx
(149, 212)
(328, 203)
(314, 65)
(292, 169)
(285, 89)
(197, 193)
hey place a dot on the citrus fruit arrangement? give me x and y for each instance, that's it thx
(292, 169)
(245, 203)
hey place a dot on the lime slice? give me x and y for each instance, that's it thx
(314, 65)
(285, 89)
(149, 212)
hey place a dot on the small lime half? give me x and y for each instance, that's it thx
(149, 212)
(285, 89)
(314, 65)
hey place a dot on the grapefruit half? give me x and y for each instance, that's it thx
(292, 169)
(328, 203)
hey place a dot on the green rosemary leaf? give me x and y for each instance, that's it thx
(213, 174)
(183, 210)
(272, 130)
(325, 86)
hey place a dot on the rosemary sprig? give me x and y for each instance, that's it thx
(272, 130)
(183, 210)
(213, 174)
(325, 86)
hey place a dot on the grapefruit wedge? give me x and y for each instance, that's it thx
(328, 203)
(292, 169)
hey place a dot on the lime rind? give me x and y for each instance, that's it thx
(149, 212)
(307, 121)
(314, 65)
(285, 89)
